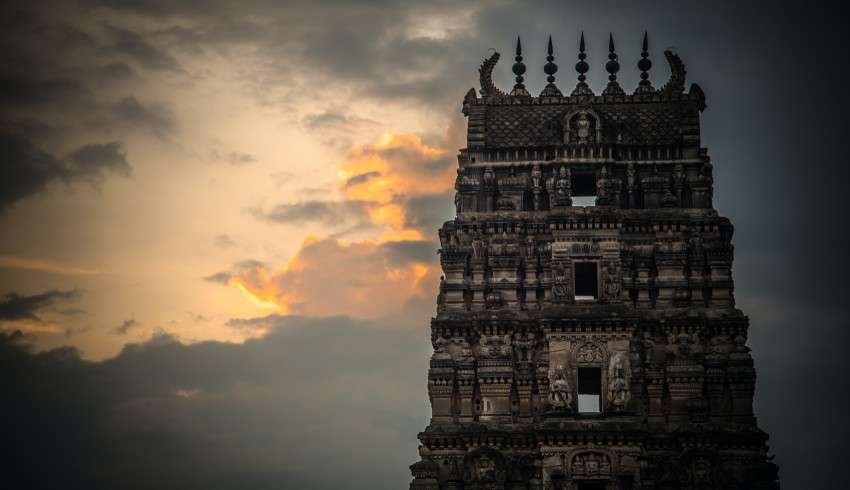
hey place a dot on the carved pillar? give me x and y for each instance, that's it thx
(441, 383)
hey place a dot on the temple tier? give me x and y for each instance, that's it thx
(586, 334)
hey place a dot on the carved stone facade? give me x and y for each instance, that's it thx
(590, 346)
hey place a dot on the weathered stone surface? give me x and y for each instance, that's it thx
(626, 304)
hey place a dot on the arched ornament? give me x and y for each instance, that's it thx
(676, 83)
(586, 123)
(485, 77)
(591, 353)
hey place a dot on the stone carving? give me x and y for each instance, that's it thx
(585, 248)
(648, 349)
(536, 176)
(591, 465)
(561, 282)
(484, 465)
(741, 344)
(589, 354)
(582, 127)
(618, 388)
(440, 351)
(489, 177)
(493, 299)
(524, 347)
(612, 281)
(494, 346)
(478, 247)
(560, 391)
(563, 191)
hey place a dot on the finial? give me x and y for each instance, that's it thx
(550, 68)
(612, 67)
(581, 68)
(519, 70)
(644, 65)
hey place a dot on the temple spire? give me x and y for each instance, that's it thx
(644, 65)
(612, 67)
(550, 68)
(581, 68)
(519, 70)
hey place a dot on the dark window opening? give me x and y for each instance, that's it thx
(589, 390)
(586, 281)
(583, 189)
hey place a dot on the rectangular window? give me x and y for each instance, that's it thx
(586, 281)
(589, 390)
(583, 188)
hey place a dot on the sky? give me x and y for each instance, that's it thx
(218, 223)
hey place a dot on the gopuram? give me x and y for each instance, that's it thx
(586, 334)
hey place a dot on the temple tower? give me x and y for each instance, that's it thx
(586, 334)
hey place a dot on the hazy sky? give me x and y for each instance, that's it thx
(218, 222)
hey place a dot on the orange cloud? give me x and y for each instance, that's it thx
(369, 278)
(397, 167)
(363, 279)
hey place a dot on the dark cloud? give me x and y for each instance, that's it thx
(249, 264)
(14, 306)
(167, 415)
(219, 277)
(92, 161)
(27, 170)
(125, 326)
(325, 119)
(325, 212)
(16, 91)
(242, 266)
(361, 178)
(404, 252)
(332, 119)
(429, 212)
(134, 46)
(159, 120)
(117, 71)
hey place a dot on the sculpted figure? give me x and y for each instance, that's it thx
(489, 176)
(536, 176)
(476, 247)
(582, 127)
(618, 390)
(562, 186)
(648, 348)
(440, 352)
(560, 392)
(612, 281)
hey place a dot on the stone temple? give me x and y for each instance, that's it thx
(586, 334)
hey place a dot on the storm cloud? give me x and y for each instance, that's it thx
(166, 415)
(15, 306)
(27, 170)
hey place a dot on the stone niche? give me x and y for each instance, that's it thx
(573, 356)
